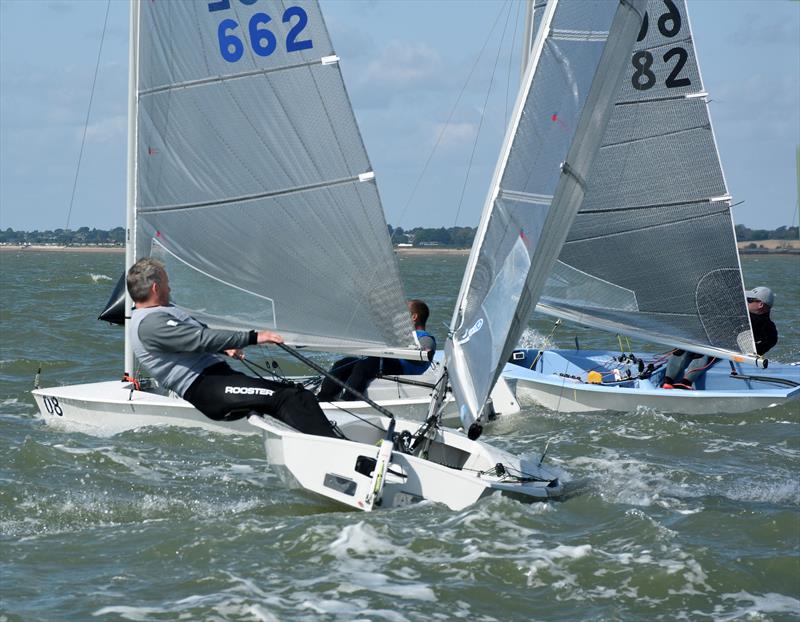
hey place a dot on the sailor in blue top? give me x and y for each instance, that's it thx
(357, 373)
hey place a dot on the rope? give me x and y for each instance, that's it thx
(511, 57)
(250, 366)
(324, 372)
(480, 124)
(447, 123)
(88, 112)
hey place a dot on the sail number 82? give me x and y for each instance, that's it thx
(263, 41)
(669, 25)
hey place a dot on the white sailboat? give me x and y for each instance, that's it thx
(577, 62)
(652, 252)
(249, 179)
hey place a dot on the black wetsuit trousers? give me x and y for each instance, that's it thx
(223, 394)
(357, 373)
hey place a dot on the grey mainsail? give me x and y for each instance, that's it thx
(559, 119)
(252, 180)
(652, 252)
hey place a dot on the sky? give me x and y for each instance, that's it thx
(404, 65)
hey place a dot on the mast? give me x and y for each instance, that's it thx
(527, 40)
(130, 220)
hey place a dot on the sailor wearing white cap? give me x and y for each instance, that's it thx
(684, 368)
(759, 304)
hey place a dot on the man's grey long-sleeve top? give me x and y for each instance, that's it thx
(176, 348)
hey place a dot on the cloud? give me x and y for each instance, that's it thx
(456, 136)
(60, 7)
(762, 28)
(760, 107)
(403, 66)
(108, 129)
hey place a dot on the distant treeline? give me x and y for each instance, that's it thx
(454, 237)
(743, 234)
(65, 237)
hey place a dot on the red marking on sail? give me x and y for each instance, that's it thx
(525, 240)
(554, 118)
(158, 234)
(152, 151)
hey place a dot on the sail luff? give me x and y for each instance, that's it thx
(577, 65)
(130, 203)
(494, 187)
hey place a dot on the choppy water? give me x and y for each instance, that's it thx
(684, 518)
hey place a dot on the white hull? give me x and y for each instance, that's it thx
(718, 391)
(111, 407)
(457, 473)
(573, 399)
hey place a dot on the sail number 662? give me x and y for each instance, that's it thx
(262, 40)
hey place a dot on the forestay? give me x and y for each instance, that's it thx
(652, 252)
(252, 180)
(537, 187)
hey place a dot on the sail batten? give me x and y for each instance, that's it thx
(228, 77)
(264, 195)
(656, 218)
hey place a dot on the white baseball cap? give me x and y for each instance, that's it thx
(764, 294)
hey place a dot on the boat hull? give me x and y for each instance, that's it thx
(455, 473)
(111, 407)
(557, 382)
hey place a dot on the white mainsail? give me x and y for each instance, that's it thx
(252, 181)
(652, 252)
(570, 83)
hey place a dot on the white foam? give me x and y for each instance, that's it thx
(378, 582)
(758, 605)
(771, 491)
(99, 277)
(552, 561)
(359, 538)
(534, 340)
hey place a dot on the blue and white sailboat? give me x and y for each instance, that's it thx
(652, 252)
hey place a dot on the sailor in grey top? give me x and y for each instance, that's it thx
(183, 354)
(176, 348)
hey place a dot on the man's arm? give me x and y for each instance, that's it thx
(164, 332)
(767, 339)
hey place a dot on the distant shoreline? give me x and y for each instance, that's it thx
(121, 249)
(428, 250)
(764, 247)
(769, 247)
(61, 249)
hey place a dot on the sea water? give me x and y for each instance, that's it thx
(682, 518)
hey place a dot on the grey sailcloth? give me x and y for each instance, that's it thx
(652, 251)
(252, 180)
(560, 116)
